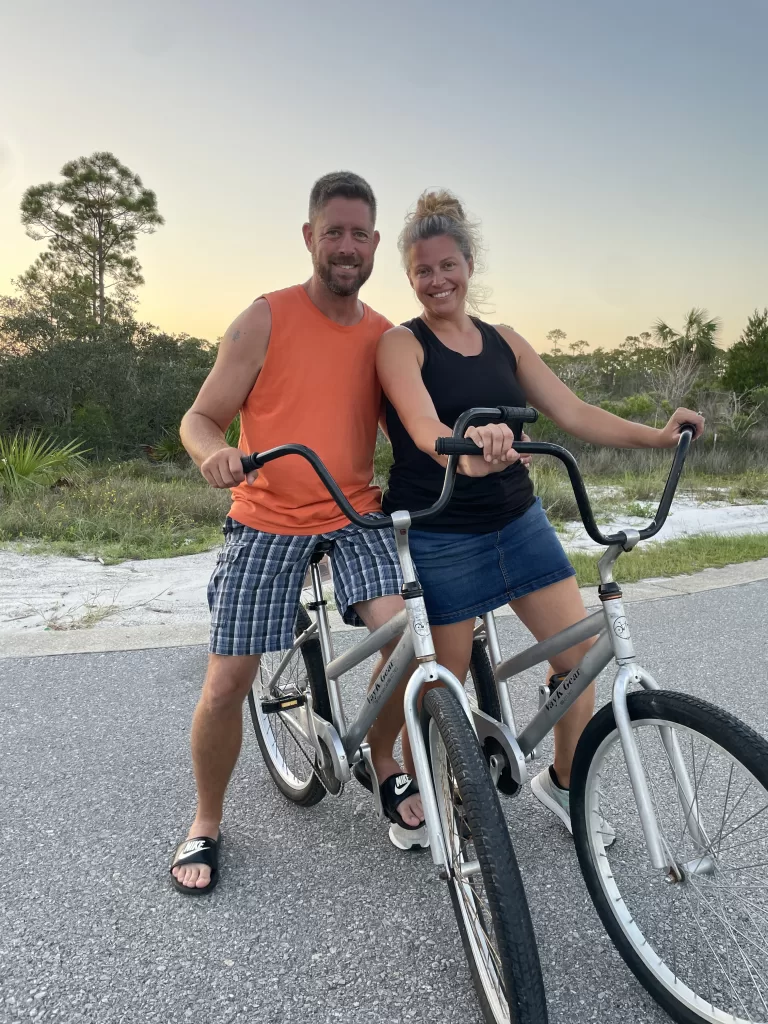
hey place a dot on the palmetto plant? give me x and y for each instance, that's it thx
(698, 336)
(30, 460)
(168, 448)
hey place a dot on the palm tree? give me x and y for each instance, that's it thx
(698, 335)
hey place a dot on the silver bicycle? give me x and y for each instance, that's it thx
(682, 890)
(310, 749)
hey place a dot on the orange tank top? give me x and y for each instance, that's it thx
(317, 387)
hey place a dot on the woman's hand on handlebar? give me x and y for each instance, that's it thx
(223, 469)
(496, 440)
(670, 435)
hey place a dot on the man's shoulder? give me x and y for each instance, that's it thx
(254, 318)
(280, 296)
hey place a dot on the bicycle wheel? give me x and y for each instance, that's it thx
(282, 732)
(695, 937)
(484, 880)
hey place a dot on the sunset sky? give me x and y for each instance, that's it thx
(616, 153)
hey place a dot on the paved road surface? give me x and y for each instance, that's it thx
(318, 918)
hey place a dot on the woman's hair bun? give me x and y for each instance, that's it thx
(439, 204)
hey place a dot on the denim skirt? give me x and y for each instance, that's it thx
(468, 574)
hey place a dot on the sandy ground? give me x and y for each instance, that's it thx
(687, 517)
(41, 592)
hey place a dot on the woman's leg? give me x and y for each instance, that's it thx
(546, 612)
(453, 649)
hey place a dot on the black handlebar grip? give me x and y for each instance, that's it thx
(513, 414)
(457, 446)
(688, 426)
(251, 463)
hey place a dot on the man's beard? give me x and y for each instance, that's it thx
(346, 288)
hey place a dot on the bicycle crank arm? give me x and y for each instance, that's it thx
(330, 749)
(504, 745)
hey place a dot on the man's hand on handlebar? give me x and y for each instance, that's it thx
(670, 435)
(223, 469)
(496, 440)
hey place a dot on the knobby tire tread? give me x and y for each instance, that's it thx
(499, 869)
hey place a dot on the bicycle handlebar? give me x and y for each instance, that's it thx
(465, 446)
(457, 445)
(496, 414)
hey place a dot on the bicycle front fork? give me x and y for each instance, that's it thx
(631, 673)
(430, 672)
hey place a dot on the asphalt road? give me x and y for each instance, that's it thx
(317, 917)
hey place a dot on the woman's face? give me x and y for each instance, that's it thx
(439, 274)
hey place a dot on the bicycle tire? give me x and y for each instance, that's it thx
(516, 991)
(606, 878)
(313, 790)
(484, 682)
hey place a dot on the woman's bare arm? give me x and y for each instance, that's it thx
(547, 393)
(399, 359)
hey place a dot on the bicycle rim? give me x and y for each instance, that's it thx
(468, 893)
(701, 931)
(285, 733)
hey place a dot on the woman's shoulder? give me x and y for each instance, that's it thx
(508, 334)
(400, 334)
(397, 343)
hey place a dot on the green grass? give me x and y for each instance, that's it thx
(675, 557)
(134, 510)
(140, 509)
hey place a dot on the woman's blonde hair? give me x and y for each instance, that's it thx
(440, 213)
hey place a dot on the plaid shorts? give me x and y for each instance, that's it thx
(255, 589)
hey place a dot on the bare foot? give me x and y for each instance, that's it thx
(197, 876)
(411, 811)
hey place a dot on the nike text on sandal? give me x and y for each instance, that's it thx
(199, 850)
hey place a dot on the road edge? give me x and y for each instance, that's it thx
(44, 643)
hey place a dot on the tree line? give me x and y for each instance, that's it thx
(76, 362)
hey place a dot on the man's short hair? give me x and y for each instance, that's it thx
(340, 183)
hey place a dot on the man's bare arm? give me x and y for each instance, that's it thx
(241, 356)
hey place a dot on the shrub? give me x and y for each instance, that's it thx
(30, 460)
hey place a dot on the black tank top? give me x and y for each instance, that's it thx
(455, 383)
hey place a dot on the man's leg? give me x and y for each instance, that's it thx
(217, 731)
(385, 730)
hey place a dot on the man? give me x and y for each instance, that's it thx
(299, 366)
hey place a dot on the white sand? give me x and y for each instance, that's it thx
(39, 592)
(687, 517)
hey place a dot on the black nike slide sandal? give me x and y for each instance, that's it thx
(393, 791)
(199, 850)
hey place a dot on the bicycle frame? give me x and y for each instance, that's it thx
(345, 745)
(614, 641)
(339, 745)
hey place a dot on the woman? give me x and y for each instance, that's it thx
(494, 543)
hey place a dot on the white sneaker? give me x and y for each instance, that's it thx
(559, 802)
(407, 838)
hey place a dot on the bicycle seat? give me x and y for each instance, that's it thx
(322, 548)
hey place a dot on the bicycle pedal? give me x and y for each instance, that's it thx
(274, 705)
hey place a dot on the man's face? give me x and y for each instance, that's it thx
(342, 241)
